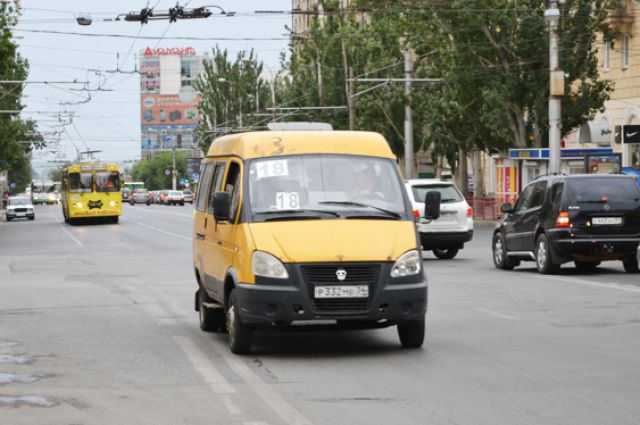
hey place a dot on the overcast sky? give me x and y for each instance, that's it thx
(110, 121)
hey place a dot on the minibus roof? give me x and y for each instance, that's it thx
(277, 143)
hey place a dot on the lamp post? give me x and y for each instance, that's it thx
(556, 88)
(318, 65)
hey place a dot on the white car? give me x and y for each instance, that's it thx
(448, 234)
(20, 207)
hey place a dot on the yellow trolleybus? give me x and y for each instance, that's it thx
(91, 191)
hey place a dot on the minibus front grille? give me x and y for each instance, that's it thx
(351, 274)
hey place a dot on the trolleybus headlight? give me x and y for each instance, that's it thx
(112, 203)
(264, 264)
(408, 264)
(78, 204)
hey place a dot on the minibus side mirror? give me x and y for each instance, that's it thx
(432, 205)
(221, 206)
(506, 208)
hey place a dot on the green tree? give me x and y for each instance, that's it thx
(153, 172)
(17, 137)
(233, 95)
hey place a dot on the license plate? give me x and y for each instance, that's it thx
(342, 291)
(598, 221)
(20, 214)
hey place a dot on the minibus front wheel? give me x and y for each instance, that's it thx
(240, 335)
(411, 334)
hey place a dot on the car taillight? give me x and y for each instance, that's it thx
(469, 212)
(416, 213)
(563, 220)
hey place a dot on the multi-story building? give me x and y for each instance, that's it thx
(168, 103)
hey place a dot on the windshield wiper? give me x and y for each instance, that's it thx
(358, 204)
(298, 210)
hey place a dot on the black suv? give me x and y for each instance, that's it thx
(581, 218)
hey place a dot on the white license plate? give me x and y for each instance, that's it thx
(598, 221)
(342, 291)
(20, 214)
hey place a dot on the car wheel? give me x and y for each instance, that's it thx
(587, 266)
(240, 335)
(32, 218)
(211, 319)
(9, 218)
(445, 254)
(412, 334)
(115, 219)
(631, 263)
(500, 258)
(544, 262)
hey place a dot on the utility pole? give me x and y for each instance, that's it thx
(173, 170)
(408, 120)
(352, 101)
(348, 88)
(556, 88)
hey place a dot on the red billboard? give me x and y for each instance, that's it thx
(158, 109)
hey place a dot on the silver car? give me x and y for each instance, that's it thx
(139, 196)
(20, 207)
(188, 196)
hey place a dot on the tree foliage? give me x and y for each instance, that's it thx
(153, 172)
(17, 137)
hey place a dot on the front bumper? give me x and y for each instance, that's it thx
(445, 240)
(276, 301)
(12, 215)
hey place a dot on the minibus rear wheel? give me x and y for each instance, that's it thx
(411, 334)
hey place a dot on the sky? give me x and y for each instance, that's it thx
(110, 120)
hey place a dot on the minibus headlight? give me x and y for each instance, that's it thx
(264, 264)
(78, 204)
(408, 264)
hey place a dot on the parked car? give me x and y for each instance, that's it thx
(154, 196)
(20, 207)
(584, 218)
(139, 196)
(174, 197)
(448, 234)
(188, 196)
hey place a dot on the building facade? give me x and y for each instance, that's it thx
(168, 103)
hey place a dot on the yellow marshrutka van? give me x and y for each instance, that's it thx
(306, 227)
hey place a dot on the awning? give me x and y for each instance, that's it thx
(597, 130)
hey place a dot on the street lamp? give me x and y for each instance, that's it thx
(318, 66)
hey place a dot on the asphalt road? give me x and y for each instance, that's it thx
(97, 327)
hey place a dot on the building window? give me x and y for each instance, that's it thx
(185, 70)
(606, 45)
(625, 52)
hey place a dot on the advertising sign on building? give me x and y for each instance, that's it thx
(171, 51)
(160, 109)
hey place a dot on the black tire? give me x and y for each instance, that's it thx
(544, 261)
(115, 219)
(587, 266)
(499, 249)
(211, 319)
(9, 219)
(412, 334)
(631, 264)
(32, 218)
(445, 254)
(240, 335)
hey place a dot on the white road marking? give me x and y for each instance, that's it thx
(205, 368)
(496, 314)
(157, 229)
(606, 285)
(161, 213)
(269, 395)
(230, 405)
(62, 226)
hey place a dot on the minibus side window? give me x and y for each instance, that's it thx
(215, 185)
(232, 186)
(203, 191)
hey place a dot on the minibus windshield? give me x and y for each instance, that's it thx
(345, 184)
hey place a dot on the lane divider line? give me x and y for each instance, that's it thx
(205, 367)
(495, 314)
(606, 285)
(157, 229)
(62, 226)
(269, 395)
(156, 212)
